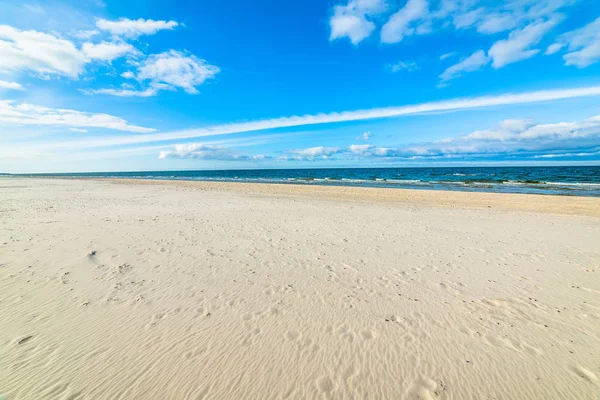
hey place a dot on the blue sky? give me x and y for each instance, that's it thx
(95, 85)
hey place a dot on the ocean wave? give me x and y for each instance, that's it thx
(349, 180)
(556, 180)
(407, 181)
(578, 184)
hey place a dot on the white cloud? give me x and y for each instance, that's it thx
(514, 135)
(361, 149)
(369, 6)
(524, 135)
(557, 155)
(170, 70)
(86, 34)
(356, 28)
(533, 9)
(365, 136)
(553, 48)
(447, 55)
(107, 51)
(314, 152)
(11, 85)
(352, 20)
(583, 45)
(516, 124)
(500, 16)
(47, 54)
(177, 70)
(346, 116)
(134, 28)
(78, 130)
(584, 57)
(402, 22)
(518, 45)
(472, 63)
(149, 92)
(12, 113)
(403, 66)
(521, 138)
(38, 52)
(207, 152)
(496, 22)
(419, 17)
(466, 19)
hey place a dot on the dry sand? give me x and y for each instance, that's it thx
(225, 291)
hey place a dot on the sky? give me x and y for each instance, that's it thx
(106, 85)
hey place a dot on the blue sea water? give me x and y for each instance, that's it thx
(564, 180)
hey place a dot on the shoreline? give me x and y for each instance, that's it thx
(555, 180)
(520, 202)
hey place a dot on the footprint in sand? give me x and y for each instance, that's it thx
(252, 336)
(326, 385)
(426, 388)
(292, 335)
(368, 334)
(195, 353)
(155, 319)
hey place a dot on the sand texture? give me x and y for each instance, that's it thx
(125, 290)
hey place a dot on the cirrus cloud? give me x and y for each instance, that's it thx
(517, 46)
(345, 116)
(13, 113)
(405, 22)
(472, 63)
(408, 66)
(526, 21)
(583, 45)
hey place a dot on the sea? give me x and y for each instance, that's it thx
(556, 180)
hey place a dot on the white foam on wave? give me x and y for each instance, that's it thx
(578, 184)
(407, 181)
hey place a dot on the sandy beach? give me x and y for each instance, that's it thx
(190, 290)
